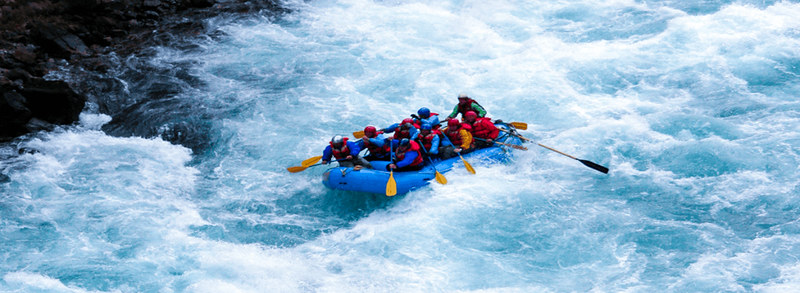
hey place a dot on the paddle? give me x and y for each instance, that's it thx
(391, 185)
(519, 125)
(586, 163)
(358, 134)
(467, 165)
(310, 161)
(519, 147)
(296, 169)
(439, 177)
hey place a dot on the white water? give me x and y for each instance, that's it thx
(692, 106)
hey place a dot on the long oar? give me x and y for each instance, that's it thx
(586, 163)
(310, 161)
(519, 147)
(391, 185)
(296, 169)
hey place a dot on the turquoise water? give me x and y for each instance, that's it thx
(693, 107)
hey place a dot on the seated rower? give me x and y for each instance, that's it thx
(404, 129)
(424, 115)
(377, 145)
(482, 128)
(407, 156)
(345, 152)
(428, 140)
(457, 139)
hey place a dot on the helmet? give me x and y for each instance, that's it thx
(463, 96)
(404, 142)
(370, 131)
(453, 123)
(338, 139)
(470, 115)
(425, 126)
(407, 120)
(424, 112)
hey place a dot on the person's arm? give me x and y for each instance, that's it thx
(454, 113)
(413, 132)
(391, 128)
(493, 131)
(433, 120)
(434, 146)
(478, 110)
(378, 141)
(326, 155)
(407, 160)
(354, 148)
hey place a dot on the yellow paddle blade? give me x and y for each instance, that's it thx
(391, 185)
(358, 134)
(310, 161)
(440, 178)
(296, 169)
(520, 125)
(467, 165)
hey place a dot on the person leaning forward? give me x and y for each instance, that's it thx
(406, 157)
(465, 103)
(345, 152)
(457, 140)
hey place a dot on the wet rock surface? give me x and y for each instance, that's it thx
(39, 37)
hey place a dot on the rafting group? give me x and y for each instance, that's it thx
(416, 138)
(420, 144)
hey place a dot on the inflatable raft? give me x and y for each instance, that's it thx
(374, 180)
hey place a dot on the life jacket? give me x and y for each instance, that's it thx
(414, 148)
(464, 107)
(341, 153)
(484, 128)
(401, 133)
(454, 136)
(427, 140)
(377, 150)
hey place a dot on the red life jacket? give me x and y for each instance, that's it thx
(414, 148)
(454, 136)
(377, 150)
(401, 134)
(341, 153)
(484, 128)
(427, 140)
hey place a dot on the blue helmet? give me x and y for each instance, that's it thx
(404, 142)
(424, 112)
(425, 126)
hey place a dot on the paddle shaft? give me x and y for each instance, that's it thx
(519, 147)
(586, 163)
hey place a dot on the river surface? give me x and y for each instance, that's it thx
(693, 105)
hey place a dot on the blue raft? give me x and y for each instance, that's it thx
(374, 180)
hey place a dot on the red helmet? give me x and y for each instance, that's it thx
(370, 131)
(470, 115)
(407, 120)
(453, 123)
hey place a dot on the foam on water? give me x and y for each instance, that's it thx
(692, 106)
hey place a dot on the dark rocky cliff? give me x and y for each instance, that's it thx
(36, 37)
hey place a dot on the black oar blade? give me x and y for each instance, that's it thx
(592, 165)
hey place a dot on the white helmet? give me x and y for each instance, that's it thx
(337, 139)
